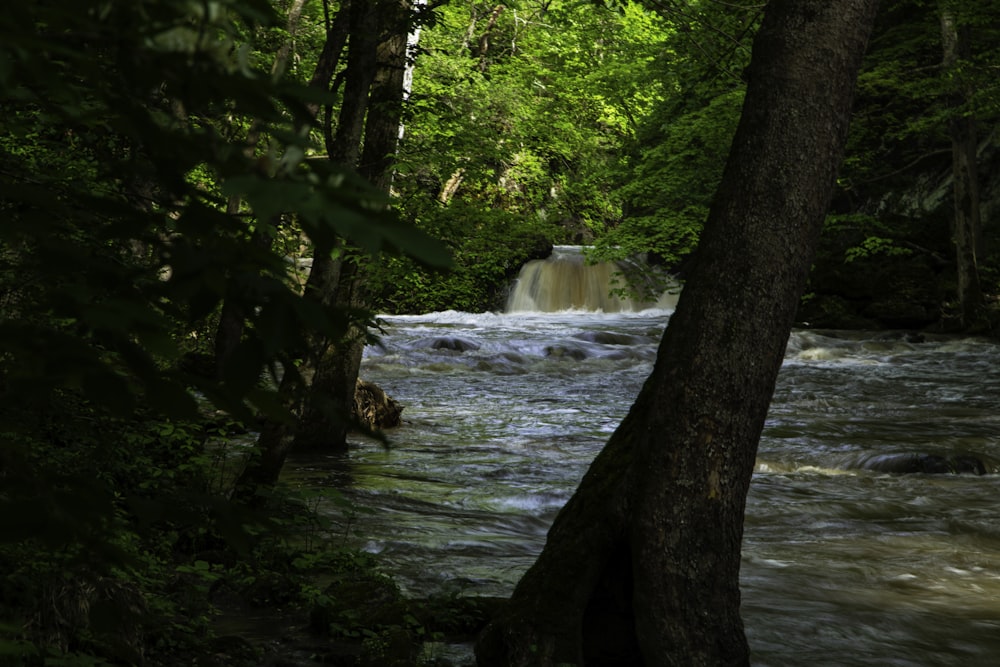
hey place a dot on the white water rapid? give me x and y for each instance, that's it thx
(842, 566)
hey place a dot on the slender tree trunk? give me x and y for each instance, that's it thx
(337, 32)
(385, 115)
(642, 565)
(451, 186)
(328, 416)
(483, 46)
(962, 128)
(275, 439)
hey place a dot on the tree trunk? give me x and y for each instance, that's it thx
(483, 47)
(346, 146)
(275, 439)
(385, 113)
(962, 128)
(325, 417)
(337, 32)
(328, 416)
(642, 565)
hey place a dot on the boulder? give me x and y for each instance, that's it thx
(453, 343)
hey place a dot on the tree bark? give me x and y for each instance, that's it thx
(642, 565)
(325, 418)
(385, 113)
(966, 226)
(483, 46)
(328, 416)
(337, 32)
(276, 437)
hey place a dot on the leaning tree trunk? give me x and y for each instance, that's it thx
(965, 177)
(642, 565)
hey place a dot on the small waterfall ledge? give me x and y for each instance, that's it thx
(565, 281)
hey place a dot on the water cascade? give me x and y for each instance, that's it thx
(565, 281)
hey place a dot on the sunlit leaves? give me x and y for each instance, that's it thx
(526, 117)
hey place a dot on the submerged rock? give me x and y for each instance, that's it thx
(612, 338)
(565, 352)
(931, 464)
(454, 344)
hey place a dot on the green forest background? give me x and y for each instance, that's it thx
(169, 168)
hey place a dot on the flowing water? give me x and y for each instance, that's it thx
(841, 565)
(567, 281)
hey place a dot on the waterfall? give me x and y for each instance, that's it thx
(565, 281)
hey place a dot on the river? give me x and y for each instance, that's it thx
(841, 566)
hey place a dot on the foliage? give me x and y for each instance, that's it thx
(105, 255)
(903, 94)
(99, 515)
(900, 115)
(514, 137)
(900, 126)
(682, 145)
(871, 236)
(673, 183)
(895, 186)
(125, 132)
(488, 249)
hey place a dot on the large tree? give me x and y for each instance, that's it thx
(642, 565)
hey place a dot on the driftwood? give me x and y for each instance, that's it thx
(373, 408)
